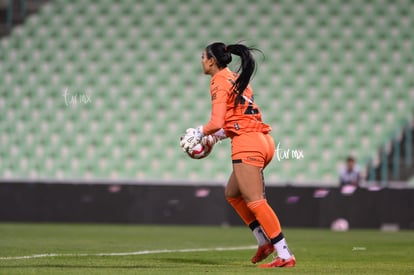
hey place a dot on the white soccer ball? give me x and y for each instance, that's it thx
(200, 151)
(340, 225)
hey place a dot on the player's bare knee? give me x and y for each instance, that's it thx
(253, 198)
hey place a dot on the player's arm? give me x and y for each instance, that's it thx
(214, 138)
(219, 97)
(189, 139)
(218, 113)
(219, 94)
(210, 133)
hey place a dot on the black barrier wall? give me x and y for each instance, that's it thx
(153, 204)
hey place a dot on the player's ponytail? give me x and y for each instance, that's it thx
(222, 53)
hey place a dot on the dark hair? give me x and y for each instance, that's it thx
(350, 158)
(222, 53)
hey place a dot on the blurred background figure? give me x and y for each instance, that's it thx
(350, 175)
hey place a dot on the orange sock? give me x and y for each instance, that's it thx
(266, 217)
(241, 208)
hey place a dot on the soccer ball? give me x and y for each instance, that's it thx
(340, 224)
(200, 151)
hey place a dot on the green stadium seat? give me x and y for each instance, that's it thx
(337, 78)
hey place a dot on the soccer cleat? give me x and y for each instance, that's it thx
(279, 262)
(263, 252)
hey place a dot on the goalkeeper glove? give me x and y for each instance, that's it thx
(213, 138)
(191, 138)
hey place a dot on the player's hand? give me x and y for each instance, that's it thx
(187, 142)
(191, 138)
(220, 134)
(213, 138)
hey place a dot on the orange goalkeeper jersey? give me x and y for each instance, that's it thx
(235, 119)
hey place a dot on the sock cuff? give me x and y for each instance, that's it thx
(254, 225)
(232, 200)
(255, 204)
(277, 238)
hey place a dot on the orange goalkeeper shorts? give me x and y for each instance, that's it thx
(253, 148)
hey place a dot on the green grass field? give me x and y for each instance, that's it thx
(76, 247)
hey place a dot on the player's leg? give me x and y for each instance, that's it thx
(233, 196)
(250, 153)
(249, 179)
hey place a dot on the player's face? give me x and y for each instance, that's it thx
(350, 164)
(206, 62)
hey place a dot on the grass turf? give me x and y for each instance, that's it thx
(317, 251)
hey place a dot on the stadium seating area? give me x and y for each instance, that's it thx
(97, 90)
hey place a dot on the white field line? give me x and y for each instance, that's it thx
(143, 252)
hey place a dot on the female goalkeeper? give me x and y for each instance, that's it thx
(235, 112)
